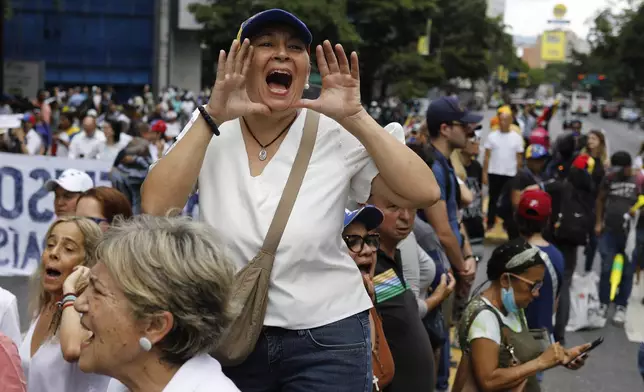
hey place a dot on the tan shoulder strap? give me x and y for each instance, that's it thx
(293, 184)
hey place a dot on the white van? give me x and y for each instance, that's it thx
(580, 103)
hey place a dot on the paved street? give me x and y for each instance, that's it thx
(611, 367)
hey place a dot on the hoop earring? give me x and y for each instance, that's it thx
(145, 344)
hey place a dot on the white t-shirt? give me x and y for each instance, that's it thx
(48, 371)
(61, 149)
(314, 281)
(486, 325)
(108, 153)
(199, 374)
(504, 147)
(9, 317)
(33, 141)
(88, 147)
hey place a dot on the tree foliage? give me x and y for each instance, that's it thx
(615, 40)
(384, 33)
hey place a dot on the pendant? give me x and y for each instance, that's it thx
(262, 154)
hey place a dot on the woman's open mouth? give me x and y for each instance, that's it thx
(90, 335)
(279, 81)
(52, 273)
(365, 269)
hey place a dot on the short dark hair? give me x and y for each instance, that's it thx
(530, 227)
(434, 129)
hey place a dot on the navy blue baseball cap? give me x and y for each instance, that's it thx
(448, 110)
(257, 22)
(368, 215)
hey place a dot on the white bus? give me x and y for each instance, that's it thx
(580, 103)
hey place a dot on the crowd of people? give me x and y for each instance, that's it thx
(331, 254)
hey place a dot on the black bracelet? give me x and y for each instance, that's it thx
(209, 120)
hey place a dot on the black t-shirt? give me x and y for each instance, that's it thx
(523, 179)
(473, 214)
(405, 333)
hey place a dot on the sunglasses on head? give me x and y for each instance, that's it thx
(356, 243)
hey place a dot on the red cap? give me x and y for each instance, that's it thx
(584, 162)
(535, 204)
(158, 126)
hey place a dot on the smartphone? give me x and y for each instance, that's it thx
(594, 344)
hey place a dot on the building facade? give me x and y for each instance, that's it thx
(123, 43)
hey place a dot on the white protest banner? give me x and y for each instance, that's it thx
(27, 209)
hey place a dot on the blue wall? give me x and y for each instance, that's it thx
(84, 41)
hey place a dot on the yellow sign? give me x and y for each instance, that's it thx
(560, 11)
(553, 46)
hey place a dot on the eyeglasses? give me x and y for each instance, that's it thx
(534, 286)
(356, 243)
(98, 221)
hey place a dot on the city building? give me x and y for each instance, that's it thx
(123, 43)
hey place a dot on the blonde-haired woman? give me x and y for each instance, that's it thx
(157, 303)
(51, 347)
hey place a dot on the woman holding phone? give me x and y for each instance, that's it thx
(500, 353)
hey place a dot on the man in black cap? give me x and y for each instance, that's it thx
(449, 128)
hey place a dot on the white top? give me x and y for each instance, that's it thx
(89, 147)
(33, 140)
(504, 147)
(200, 374)
(108, 153)
(61, 149)
(312, 269)
(486, 325)
(47, 370)
(9, 317)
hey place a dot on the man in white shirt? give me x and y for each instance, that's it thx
(68, 188)
(503, 157)
(87, 143)
(9, 318)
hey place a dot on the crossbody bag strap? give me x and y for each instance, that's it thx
(293, 184)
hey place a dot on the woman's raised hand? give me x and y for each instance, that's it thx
(229, 99)
(340, 95)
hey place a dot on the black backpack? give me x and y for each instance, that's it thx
(574, 220)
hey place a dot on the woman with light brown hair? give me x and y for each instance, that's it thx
(51, 347)
(158, 301)
(102, 205)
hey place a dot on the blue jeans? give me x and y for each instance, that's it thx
(442, 381)
(610, 244)
(335, 357)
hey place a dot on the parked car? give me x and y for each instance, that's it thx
(610, 110)
(629, 112)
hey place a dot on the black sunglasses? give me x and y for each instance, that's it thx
(356, 243)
